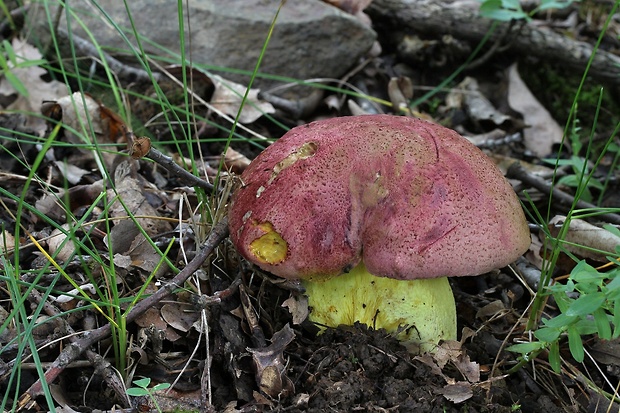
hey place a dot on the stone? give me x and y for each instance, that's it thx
(311, 39)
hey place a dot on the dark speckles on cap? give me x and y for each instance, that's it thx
(440, 207)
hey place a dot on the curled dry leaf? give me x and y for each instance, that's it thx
(78, 111)
(297, 305)
(468, 96)
(70, 295)
(140, 147)
(31, 76)
(60, 247)
(227, 98)
(542, 131)
(400, 91)
(235, 161)
(81, 113)
(270, 365)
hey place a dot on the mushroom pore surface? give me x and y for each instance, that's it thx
(412, 198)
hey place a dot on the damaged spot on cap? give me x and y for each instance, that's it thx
(269, 248)
(305, 151)
(259, 191)
(246, 216)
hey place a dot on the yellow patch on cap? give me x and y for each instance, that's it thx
(270, 248)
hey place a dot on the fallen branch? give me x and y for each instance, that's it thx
(72, 351)
(460, 19)
(516, 171)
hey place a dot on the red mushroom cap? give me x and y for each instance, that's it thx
(411, 198)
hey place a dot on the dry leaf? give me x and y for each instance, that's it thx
(543, 131)
(469, 369)
(298, 307)
(235, 161)
(400, 91)
(227, 98)
(479, 108)
(270, 366)
(176, 316)
(73, 174)
(70, 295)
(491, 309)
(7, 241)
(31, 77)
(61, 252)
(457, 392)
(125, 238)
(80, 111)
(586, 235)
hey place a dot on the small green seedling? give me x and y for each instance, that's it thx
(589, 303)
(143, 389)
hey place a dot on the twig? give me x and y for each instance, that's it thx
(173, 168)
(516, 171)
(125, 72)
(100, 364)
(77, 347)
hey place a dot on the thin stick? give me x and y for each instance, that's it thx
(173, 168)
(516, 171)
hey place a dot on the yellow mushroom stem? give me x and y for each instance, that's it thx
(422, 310)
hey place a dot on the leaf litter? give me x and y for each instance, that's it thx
(261, 355)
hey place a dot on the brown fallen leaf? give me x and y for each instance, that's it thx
(178, 316)
(235, 161)
(297, 305)
(227, 98)
(457, 392)
(587, 238)
(270, 365)
(542, 131)
(31, 76)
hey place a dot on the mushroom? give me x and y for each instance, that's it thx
(372, 213)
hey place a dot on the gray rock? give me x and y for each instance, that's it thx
(310, 39)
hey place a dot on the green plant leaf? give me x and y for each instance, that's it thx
(586, 304)
(554, 357)
(583, 272)
(161, 386)
(575, 344)
(137, 391)
(560, 321)
(574, 181)
(602, 324)
(586, 326)
(502, 10)
(616, 318)
(526, 348)
(545, 5)
(547, 334)
(612, 229)
(144, 383)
